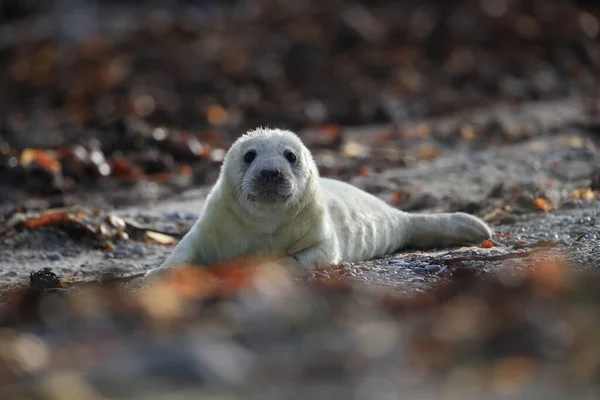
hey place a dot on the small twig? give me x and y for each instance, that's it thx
(104, 280)
(523, 254)
(140, 229)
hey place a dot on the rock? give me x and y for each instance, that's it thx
(176, 215)
(419, 270)
(44, 279)
(432, 268)
(398, 264)
(497, 191)
(53, 256)
(139, 250)
(119, 254)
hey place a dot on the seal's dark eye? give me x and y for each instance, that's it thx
(249, 156)
(290, 156)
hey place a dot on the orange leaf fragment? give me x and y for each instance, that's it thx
(384, 136)
(216, 114)
(488, 244)
(126, 171)
(585, 194)
(331, 131)
(49, 220)
(548, 275)
(45, 159)
(161, 177)
(186, 170)
(193, 282)
(398, 196)
(364, 171)
(543, 204)
(503, 234)
(428, 152)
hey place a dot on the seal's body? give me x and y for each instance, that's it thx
(270, 200)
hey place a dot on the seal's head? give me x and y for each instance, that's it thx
(269, 169)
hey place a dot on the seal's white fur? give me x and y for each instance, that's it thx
(308, 220)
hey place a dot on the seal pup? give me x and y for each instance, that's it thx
(269, 200)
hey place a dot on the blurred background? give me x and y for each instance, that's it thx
(125, 89)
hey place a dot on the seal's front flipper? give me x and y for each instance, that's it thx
(322, 254)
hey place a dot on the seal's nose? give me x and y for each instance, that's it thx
(269, 174)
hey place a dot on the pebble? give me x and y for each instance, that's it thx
(167, 227)
(419, 270)
(399, 264)
(53, 256)
(119, 254)
(415, 280)
(139, 250)
(176, 215)
(432, 268)
(477, 264)
(371, 275)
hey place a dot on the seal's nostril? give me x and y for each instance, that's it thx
(270, 173)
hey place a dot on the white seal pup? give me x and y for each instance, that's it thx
(270, 200)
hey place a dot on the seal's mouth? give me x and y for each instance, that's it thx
(270, 192)
(269, 197)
